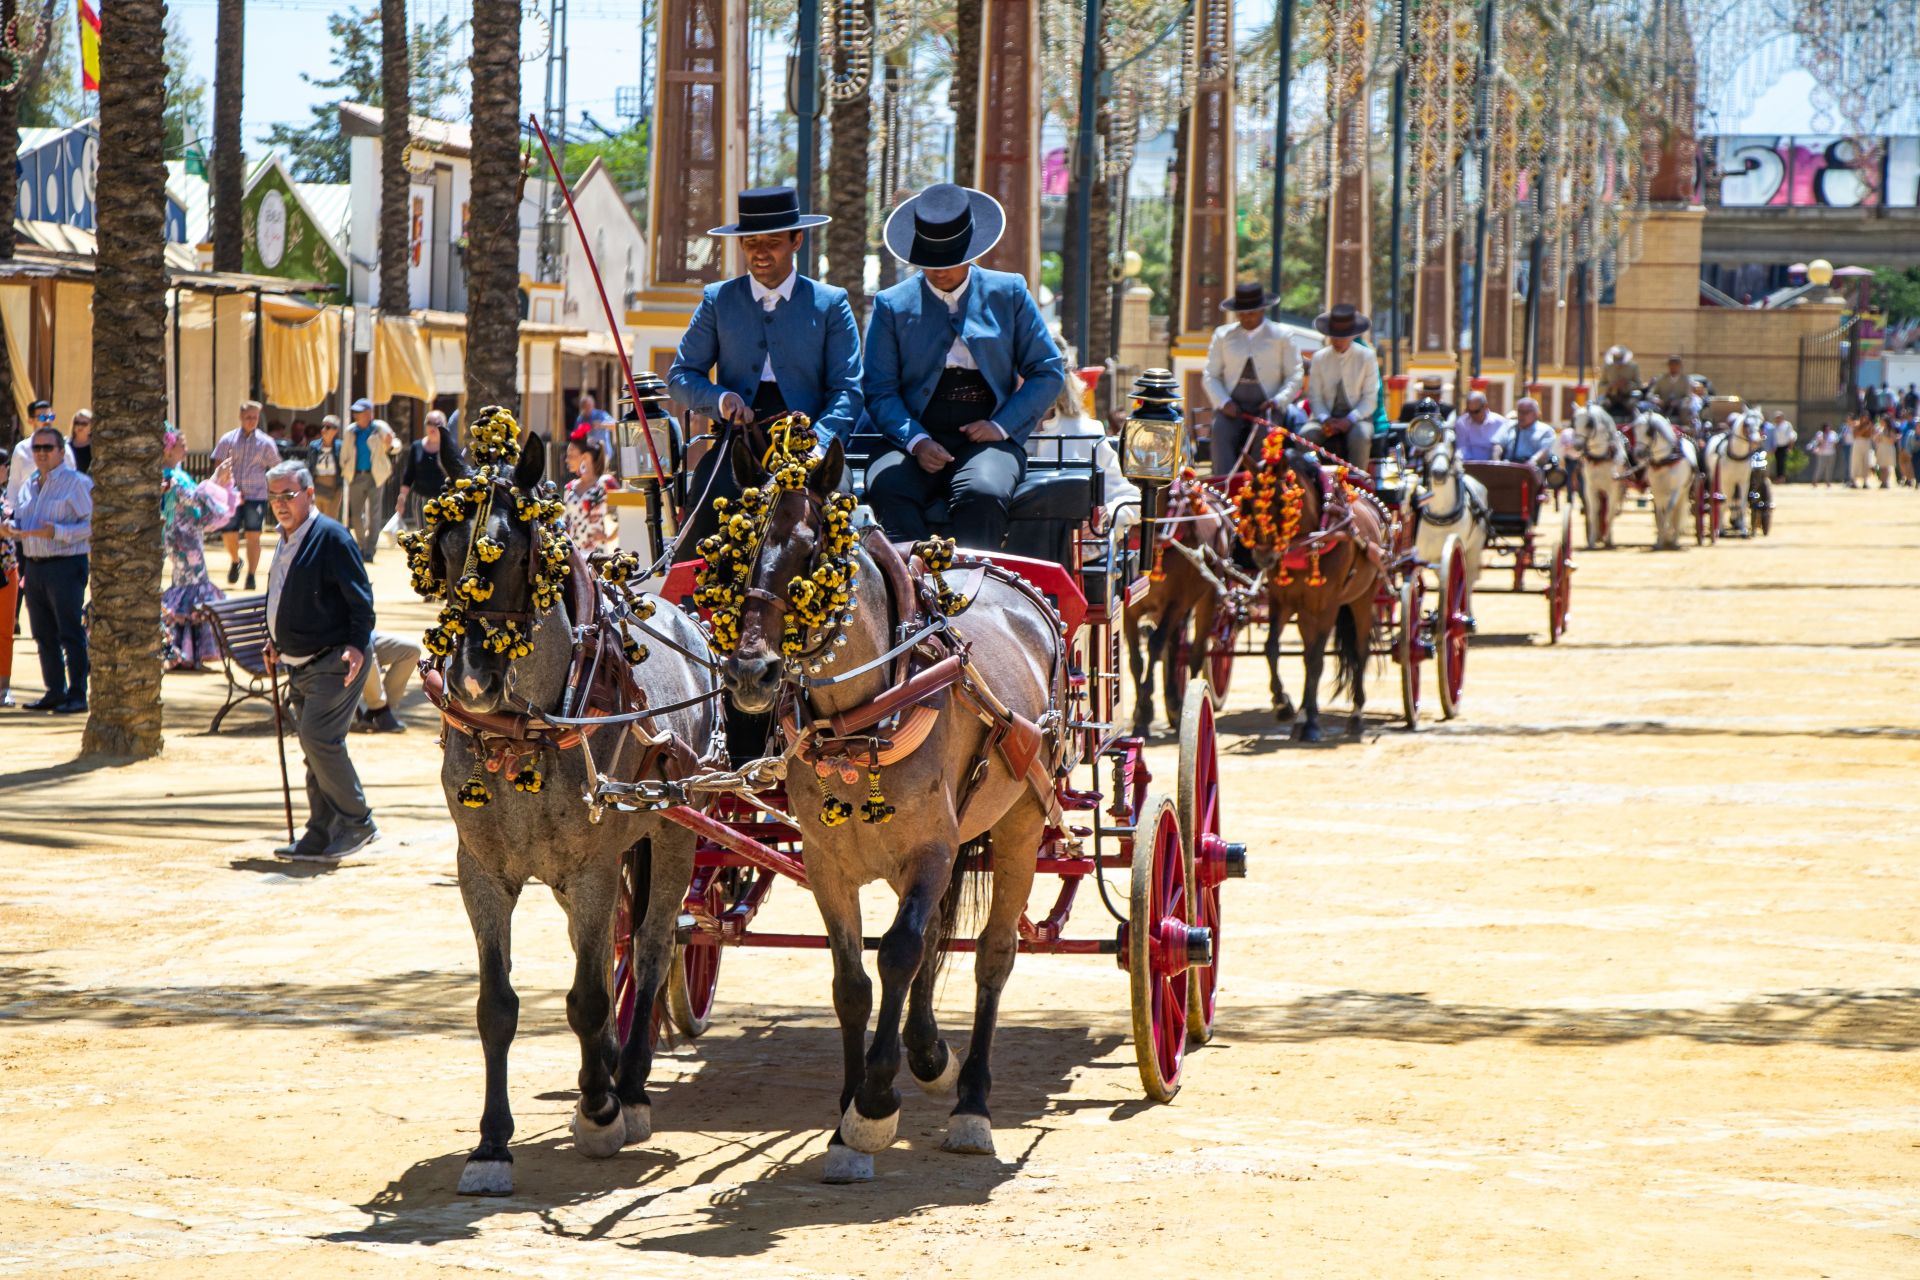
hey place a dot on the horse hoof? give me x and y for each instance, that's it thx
(1308, 732)
(845, 1165)
(598, 1141)
(487, 1178)
(1355, 726)
(639, 1122)
(969, 1135)
(865, 1134)
(942, 1085)
(1283, 711)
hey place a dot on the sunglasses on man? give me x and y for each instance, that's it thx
(44, 417)
(46, 448)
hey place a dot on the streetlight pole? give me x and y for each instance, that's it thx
(1395, 230)
(1084, 170)
(1489, 14)
(1284, 92)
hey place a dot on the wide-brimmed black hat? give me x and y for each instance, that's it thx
(1342, 322)
(764, 210)
(1249, 296)
(944, 226)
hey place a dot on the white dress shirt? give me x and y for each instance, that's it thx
(1355, 370)
(768, 300)
(1275, 362)
(277, 580)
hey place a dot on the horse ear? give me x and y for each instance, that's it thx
(532, 467)
(749, 447)
(825, 477)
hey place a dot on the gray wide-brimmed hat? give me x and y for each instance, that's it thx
(944, 226)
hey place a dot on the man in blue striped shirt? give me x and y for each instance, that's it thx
(254, 454)
(53, 525)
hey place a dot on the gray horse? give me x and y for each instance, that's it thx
(532, 829)
(958, 786)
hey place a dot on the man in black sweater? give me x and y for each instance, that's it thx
(319, 622)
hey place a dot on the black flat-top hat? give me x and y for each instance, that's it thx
(1249, 296)
(944, 226)
(764, 210)
(1342, 322)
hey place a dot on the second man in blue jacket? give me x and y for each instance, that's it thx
(959, 370)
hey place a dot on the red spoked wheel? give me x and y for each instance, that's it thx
(1560, 583)
(1212, 860)
(626, 997)
(1450, 626)
(1220, 653)
(695, 974)
(1410, 645)
(1159, 945)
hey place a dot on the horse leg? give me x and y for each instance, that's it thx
(599, 1126)
(870, 1122)
(934, 1064)
(1016, 842)
(852, 1004)
(666, 859)
(1313, 636)
(1276, 623)
(1140, 663)
(1203, 612)
(489, 902)
(1172, 627)
(1355, 657)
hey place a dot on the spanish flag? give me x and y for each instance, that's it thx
(89, 47)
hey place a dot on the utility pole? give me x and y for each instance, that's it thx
(1483, 137)
(1397, 222)
(554, 121)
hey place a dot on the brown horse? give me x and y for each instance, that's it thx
(955, 709)
(1192, 543)
(1321, 545)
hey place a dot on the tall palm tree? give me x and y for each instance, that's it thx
(965, 94)
(9, 199)
(851, 119)
(229, 182)
(493, 220)
(396, 103)
(129, 382)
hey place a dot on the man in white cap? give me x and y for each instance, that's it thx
(1343, 387)
(960, 369)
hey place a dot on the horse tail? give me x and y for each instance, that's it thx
(1349, 661)
(966, 895)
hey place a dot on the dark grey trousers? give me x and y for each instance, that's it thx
(323, 705)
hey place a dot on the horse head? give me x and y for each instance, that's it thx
(1658, 440)
(779, 571)
(1281, 502)
(494, 547)
(1441, 465)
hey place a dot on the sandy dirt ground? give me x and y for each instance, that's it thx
(1614, 975)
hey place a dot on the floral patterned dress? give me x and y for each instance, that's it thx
(187, 512)
(589, 523)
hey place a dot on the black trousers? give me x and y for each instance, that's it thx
(978, 485)
(56, 590)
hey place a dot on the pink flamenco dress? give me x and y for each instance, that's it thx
(187, 512)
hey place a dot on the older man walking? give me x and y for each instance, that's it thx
(254, 454)
(320, 622)
(53, 525)
(366, 460)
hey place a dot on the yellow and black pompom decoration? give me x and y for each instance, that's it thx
(936, 556)
(635, 651)
(473, 792)
(875, 809)
(528, 780)
(494, 436)
(834, 811)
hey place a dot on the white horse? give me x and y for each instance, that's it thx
(1672, 465)
(1451, 502)
(1730, 458)
(1603, 464)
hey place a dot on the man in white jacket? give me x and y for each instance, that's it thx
(366, 460)
(1252, 367)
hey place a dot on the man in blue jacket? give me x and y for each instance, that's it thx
(766, 343)
(319, 622)
(960, 369)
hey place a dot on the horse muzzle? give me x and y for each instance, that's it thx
(752, 681)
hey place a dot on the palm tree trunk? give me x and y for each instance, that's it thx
(129, 383)
(229, 178)
(395, 131)
(9, 200)
(965, 93)
(493, 230)
(847, 187)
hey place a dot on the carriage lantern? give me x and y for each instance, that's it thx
(635, 466)
(1153, 444)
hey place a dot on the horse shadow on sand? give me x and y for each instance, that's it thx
(753, 1079)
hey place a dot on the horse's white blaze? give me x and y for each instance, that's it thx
(969, 1135)
(598, 1140)
(863, 1134)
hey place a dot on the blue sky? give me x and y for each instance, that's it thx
(286, 37)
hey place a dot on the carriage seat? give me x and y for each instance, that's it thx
(1514, 493)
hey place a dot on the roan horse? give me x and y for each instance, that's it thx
(1672, 465)
(1603, 469)
(552, 641)
(1192, 545)
(1321, 546)
(1730, 458)
(962, 716)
